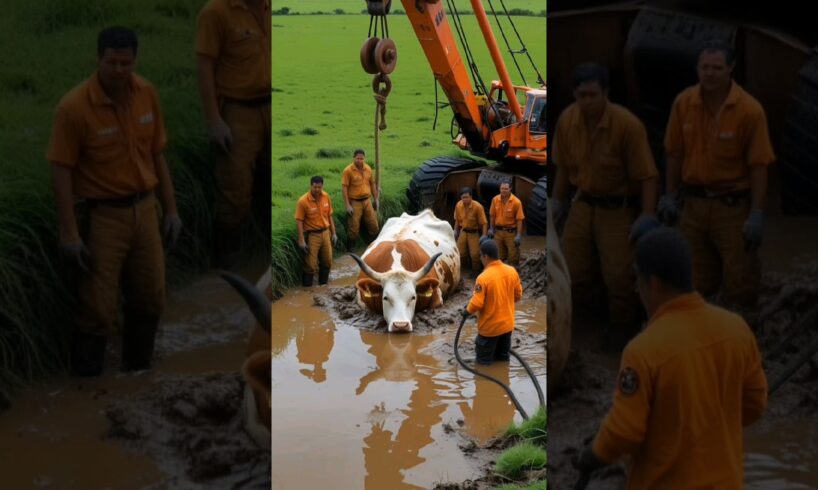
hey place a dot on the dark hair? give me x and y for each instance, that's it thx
(590, 72)
(665, 253)
(505, 182)
(358, 152)
(316, 179)
(465, 190)
(116, 37)
(488, 248)
(719, 46)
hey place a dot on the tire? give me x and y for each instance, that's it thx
(423, 186)
(798, 160)
(535, 214)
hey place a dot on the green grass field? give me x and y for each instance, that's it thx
(357, 6)
(50, 48)
(323, 109)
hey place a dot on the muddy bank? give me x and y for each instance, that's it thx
(587, 384)
(192, 427)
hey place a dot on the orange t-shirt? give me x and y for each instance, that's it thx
(718, 152)
(111, 153)
(315, 214)
(496, 290)
(611, 161)
(506, 215)
(687, 386)
(472, 218)
(229, 32)
(359, 182)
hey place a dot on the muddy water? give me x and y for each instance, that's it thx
(118, 431)
(357, 408)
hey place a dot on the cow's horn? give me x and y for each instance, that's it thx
(417, 275)
(378, 276)
(256, 301)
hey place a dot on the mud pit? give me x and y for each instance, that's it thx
(389, 411)
(177, 426)
(781, 449)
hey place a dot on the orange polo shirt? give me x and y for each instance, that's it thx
(496, 290)
(359, 182)
(315, 214)
(111, 152)
(472, 218)
(610, 161)
(506, 215)
(687, 386)
(229, 32)
(718, 151)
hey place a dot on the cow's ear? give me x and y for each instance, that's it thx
(426, 286)
(369, 287)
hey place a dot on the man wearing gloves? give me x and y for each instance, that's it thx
(106, 152)
(316, 232)
(506, 226)
(718, 149)
(360, 198)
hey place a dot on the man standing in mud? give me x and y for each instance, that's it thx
(688, 384)
(470, 225)
(602, 150)
(358, 186)
(507, 219)
(106, 150)
(496, 290)
(316, 231)
(233, 66)
(718, 149)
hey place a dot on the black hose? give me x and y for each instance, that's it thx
(491, 378)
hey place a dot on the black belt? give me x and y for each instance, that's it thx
(120, 202)
(469, 230)
(320, 230)
(702, 191)
(510, 229)
(257, 102)
(610, 202)
(360, 198)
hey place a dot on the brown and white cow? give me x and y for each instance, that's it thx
(412, 266)
(256, 368)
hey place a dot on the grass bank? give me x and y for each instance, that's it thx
(50, 48)
(324, 109)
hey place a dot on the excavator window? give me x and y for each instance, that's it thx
(536, 123)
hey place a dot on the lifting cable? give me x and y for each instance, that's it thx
(523, 50)
(508, 46)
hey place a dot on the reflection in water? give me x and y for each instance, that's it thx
(490, 406)
(314, 346)
(386, 454)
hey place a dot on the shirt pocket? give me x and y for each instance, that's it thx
(726, 147)
(105, 146)
(242, 43)
(612, 169)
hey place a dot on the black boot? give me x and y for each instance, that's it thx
(323, 275)
(138, 337)
(306, 279)
(227, 245)
(87, 354)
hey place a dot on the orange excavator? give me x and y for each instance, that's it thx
(489, 122)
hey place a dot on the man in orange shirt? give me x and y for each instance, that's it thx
(358, 186)
(602, 150)
(470, 225)
(106, 151)
(316, 231)
(688, 384)
(233, 66)
(718, 149)
(496, 290)
(506, 214)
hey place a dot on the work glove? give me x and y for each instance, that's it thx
(456, 234)
(171, 229)
(752, 230)
(644, 224)
(490, 234)
(220, 135)
(558, 211)
(668, 209)
(375, 204)
(304, 248)
(77, 254)
(518, 240)
(349, 210)
(465, 313)
(334, 239)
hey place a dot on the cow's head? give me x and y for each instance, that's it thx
(398, 291)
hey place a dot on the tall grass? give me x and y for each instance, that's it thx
(54, 49)
(532, 430)
(514, 462)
